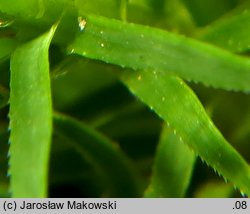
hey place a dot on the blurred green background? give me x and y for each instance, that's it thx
(90, 91)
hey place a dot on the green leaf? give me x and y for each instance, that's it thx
(20, 7)
(229, 32)
(172, 168)
(114, 168)
(172, 100)
(158, 6)
(144, 48)
(30, 117)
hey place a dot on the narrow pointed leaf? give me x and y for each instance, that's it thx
(30, 118)
(172, 168)
(114, 168)
(172, 100)
(139, 47)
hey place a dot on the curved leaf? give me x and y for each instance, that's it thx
(114, 168)
(30, 117)
(172, 100)
(144, 48)
(172, 168)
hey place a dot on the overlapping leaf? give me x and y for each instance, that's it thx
(158, 52)
(172, 169)
(152, 49)
(177, 105)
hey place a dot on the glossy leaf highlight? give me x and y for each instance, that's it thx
(144, 48)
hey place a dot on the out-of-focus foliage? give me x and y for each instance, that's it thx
(131, 80)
